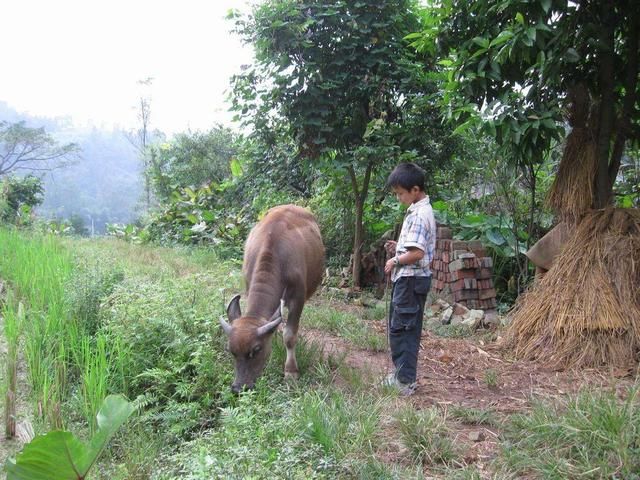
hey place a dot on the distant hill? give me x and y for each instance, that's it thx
(105, 186)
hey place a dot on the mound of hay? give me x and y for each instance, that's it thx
(571, 193)
(585, 312)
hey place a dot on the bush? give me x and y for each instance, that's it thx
(18, 197)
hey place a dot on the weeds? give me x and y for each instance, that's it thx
(426, 436)
(491, 378)
(474, 416)
(593, 435)
(345, 325)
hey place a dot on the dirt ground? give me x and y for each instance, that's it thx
(472, 373)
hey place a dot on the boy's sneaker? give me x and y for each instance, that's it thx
(404, 389)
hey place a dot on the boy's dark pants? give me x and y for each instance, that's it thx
(408, 297)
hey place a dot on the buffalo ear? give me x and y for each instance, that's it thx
(233, 309)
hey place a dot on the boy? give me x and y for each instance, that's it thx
(410, 274)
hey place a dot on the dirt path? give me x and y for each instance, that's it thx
(467, 373)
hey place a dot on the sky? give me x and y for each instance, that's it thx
(85, 58)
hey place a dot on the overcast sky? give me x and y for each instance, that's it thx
(84, 58)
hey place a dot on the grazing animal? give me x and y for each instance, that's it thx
(283, 265)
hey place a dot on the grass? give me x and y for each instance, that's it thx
(142, 320)
(592, 435)
(473, 416)
(491, 379)
(344, 324)
(426, 436)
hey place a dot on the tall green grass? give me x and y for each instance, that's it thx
(13, 318)
(57, 345)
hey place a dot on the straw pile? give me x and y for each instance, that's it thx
(572, 191)
(585, 312)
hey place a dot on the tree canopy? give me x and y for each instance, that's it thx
(532, 66)
(340, 79)
(32, 149)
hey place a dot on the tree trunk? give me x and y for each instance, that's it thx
(603, 188)
(360, 197)
(357, 243)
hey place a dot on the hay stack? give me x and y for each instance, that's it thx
(586, 310)
(571, 193)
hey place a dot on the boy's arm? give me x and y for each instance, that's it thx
(412, 255)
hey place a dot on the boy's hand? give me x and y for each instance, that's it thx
(390, 247)
(388, 267)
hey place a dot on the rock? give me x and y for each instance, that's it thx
(491, 319)
(445, 318)
(478, 436)
(444, 305)
(470, 322)
(459, 309)
(456, 319)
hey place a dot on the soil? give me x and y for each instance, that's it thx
(473, 373)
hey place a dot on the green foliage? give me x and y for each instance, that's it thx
(60, 455)
(18, 197)
(201, 216)
(593, 435)
(256, 438)
(128, 232)
(511, 67)
(192, 160)
(173, 359)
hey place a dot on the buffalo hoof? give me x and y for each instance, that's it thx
(291, 376)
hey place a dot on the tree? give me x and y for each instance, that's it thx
(143, 136)
(18, 196)
(191, 159)
(340, 76)
(532, 67)
(31, 149)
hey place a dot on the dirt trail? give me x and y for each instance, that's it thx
(455, 372)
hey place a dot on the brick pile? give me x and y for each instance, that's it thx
(463, 271)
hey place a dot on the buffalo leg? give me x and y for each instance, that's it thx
(290, 338)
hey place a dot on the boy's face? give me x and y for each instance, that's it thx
(406, 197)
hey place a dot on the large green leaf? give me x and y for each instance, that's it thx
(495, 236)
(59, 455)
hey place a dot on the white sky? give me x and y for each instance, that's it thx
(84, 58)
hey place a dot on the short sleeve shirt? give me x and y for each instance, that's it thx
(419, 231)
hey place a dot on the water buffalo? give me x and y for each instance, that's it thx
(283, 265)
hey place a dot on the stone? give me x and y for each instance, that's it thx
(477, 436)
(459, 309)
(491, 319)
(442, 303)
(445, 318)
(456, 320)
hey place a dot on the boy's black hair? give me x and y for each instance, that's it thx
(407, 176)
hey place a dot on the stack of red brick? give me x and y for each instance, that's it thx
(463, 271)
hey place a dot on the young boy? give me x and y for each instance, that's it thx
(410, 274)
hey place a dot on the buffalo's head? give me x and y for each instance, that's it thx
(249, 343)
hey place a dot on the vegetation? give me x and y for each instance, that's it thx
(503, 103)
(31, 149)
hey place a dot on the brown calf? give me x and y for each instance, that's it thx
(283, 265)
